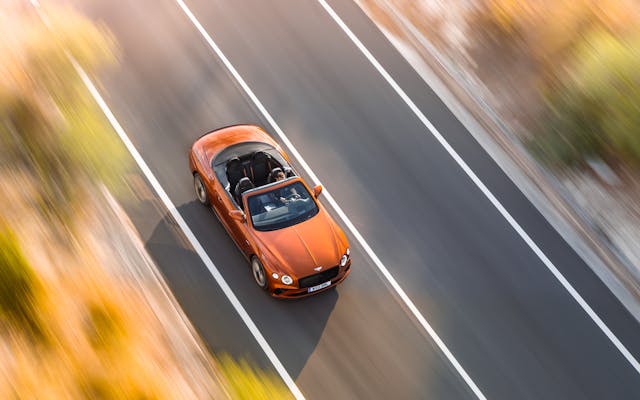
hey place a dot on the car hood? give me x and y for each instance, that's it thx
(298, 249)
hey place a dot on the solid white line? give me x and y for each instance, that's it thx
(494, 201)
(385, 272)
(190, 236)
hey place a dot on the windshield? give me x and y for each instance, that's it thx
(281, 207)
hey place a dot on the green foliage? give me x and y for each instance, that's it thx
(596, 111)
(49, 124)
(19, 286)
(246, 382)
(586, 57)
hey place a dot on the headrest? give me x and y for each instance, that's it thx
(273, 173)
(245, 181)
(288, 172)
(260, 154)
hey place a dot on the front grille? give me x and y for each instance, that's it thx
(320, 277)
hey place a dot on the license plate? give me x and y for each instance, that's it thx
(318, 287)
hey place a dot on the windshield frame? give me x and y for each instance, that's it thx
(272, 187)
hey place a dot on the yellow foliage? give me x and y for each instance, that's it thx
(551, 29)
(34, 59)
(246, 382)
(20, 288)
(101, 345)
(49, 123)
(595, 111)
(507, 14)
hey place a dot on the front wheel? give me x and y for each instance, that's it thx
(201, 190)
(259, 273)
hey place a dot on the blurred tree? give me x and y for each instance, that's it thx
(595, 112)
(244, 381)
(104, 339)
(585, 54)
(19, 287)
(550, 31)
(49, 124)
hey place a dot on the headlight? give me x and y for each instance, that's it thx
(286, 279)
(275, 276)
(348, 252)
(343, 260)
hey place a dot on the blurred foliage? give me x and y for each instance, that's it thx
(49, 124)
(500, 16)
(19, 287)
(104, 342)
(246, 382)
(549, 30)
(104, 325)
(586, 53)
(595, 112)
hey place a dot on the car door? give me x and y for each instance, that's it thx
(243, 238)
(223, 205)
(239, 231)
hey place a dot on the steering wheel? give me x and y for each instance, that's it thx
(293, 197)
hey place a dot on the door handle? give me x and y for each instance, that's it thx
(219, 198)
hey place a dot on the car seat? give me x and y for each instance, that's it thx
(235, 171)
(260, 167)
(243, 185)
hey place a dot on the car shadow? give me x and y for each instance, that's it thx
(292, 328)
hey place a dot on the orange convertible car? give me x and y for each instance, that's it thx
(293, 245)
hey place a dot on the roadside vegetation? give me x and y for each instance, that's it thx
(20, 290)
(73, 324)
(49, 125)
(245, 382)
(76, 335)
(560, 77)
(585, 56)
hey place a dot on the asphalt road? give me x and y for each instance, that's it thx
(509, 322)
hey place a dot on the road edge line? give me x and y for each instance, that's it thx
(184, 227)
(483, 188)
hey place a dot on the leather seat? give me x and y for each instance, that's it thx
(235, 171)
(243, 185)
(260, 167)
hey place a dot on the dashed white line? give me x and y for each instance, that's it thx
(385, 272)
(476, 180)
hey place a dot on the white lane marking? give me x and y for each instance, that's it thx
(494, 201)
(385, 272)
(190, 236)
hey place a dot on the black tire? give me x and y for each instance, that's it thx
(201, 190)
(258, 272)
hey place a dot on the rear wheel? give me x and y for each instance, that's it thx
(258, 272)
(200, 189)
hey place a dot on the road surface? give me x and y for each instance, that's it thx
(503, 316)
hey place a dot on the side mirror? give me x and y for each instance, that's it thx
(317, 190)
(237, 215)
